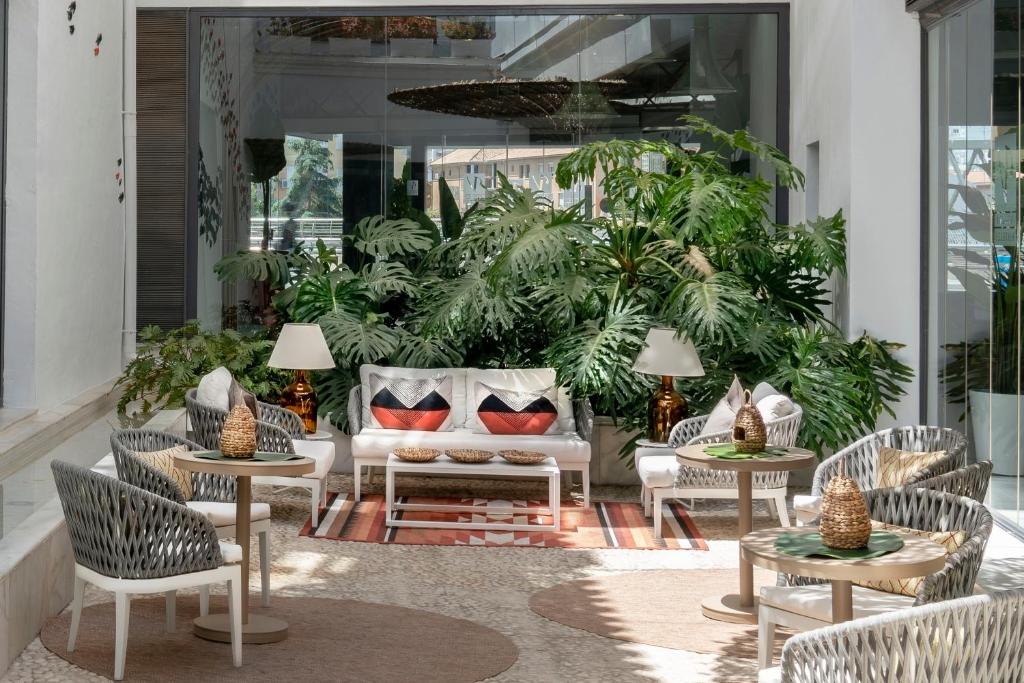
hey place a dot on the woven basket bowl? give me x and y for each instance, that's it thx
(469, 455)
(417, 454)
(844, 522)
(523, 457)
(238, 435)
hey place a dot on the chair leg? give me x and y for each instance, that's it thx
(170, 609)
(235, 617)
(204, 600)
(656, 510)
(265, 567)
(585, 473)
(76, 612)
(314, 496)
(780, 509)
(357, 481)
(765, 641)
(122, 607)
(323, 492)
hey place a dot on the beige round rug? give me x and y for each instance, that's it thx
(338, 640)
(655, 608)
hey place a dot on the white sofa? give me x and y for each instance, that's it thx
(567, 442)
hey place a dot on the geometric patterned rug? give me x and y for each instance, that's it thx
(603, 525)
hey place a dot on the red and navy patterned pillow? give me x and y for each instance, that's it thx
(510, 411)
(412, 404)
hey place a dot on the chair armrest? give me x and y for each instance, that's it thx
(686, 430)
(283, 418)
(272, 439)
(355, 410)
(713, 437)
(583, 413)
(206, 421)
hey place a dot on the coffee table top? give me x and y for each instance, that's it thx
(918, 557)
(496, 465)
(795, 459)
(245, 468)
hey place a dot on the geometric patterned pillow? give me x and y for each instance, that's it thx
(950, 540)
(508, 411)
(164, 461)
(423, 405)
(896, 467)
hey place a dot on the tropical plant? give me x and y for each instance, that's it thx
(411, 27)
(311, 190)
(461, 29)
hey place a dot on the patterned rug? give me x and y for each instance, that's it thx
(603, 525)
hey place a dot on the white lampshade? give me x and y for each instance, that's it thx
(666, 354)
(301, 346)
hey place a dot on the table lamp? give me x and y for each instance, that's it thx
(301, 347)
(668, 355)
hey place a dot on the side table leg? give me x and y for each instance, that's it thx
(243, 505)
(746, 503)
(842, 601)
(389, 495)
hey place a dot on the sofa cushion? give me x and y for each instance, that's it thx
(775, 406)
(406, 403)
(523, 379)
(723, 415)
(658, 471)
(320, 451)
(509, 411)
(231, 553)
(376, 444)
(896, 467)
(223, 514)
(214, 389)
(458, 375)
(815, 601)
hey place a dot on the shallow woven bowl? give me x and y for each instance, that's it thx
(469, 455)
(417, 454)
(523, 457)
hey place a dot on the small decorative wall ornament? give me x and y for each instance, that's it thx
(96, 49)
(119, 177)
(71, 15)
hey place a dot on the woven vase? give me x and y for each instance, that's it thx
(238, 436)
(845, 522)
(748, 432)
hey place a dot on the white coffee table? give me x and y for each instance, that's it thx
(497, 467)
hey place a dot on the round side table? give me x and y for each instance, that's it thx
(256, 628)
(741, 608)
(918, 557)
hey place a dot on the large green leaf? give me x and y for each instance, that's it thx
(713, 310)
(339, 291)
(385, 278)
(380, 237)
(356, 340)
(451, 216)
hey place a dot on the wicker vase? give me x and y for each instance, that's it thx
(845, 522)
(238, 436)
(748, 432)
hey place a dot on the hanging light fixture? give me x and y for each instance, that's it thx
(704, 77)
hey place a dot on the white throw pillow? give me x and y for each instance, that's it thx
(723, 415)
(775, 406)
(214, 389)
(762, 391)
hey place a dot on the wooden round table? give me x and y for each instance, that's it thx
(256, 628)
(918, 557)
(741, 608)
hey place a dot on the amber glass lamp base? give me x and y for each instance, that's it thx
(300, 398)
(664, 410)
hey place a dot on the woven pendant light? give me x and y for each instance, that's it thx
(845, 522)
(748, 432)
(238, 436)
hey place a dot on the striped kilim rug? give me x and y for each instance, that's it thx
(603, 525)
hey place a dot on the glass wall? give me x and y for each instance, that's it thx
(975, 237)
(308, 124)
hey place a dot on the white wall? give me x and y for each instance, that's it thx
(855, 80)
(65, 225)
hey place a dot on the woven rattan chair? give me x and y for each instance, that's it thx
(977, 639)
(861, 461)
(663, 478)
(915, 508)
(277, 431)
(971, 481)
(213, 495)
(127, 540)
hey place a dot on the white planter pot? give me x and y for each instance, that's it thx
(411, 47)
(471, 48)
(606, 467)
(295, 45)
(994, 420)
(349, 47)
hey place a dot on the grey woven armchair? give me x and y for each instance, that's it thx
(207, 422)
(127, 540)
(977, 639)
(213, 495)
(915, 508)
(971, 481)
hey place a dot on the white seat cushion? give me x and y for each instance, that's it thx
(642, 452)
(658, 471)
(772, 675)
(376, 444)
(223, 514)
(320, 451)
(231, 553)
(816, 601)
(807, 508)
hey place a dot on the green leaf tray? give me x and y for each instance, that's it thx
(810, 545)
(256, 457)
(728, 452)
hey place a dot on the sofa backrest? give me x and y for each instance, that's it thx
(464, 382)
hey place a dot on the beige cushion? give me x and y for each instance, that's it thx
(815, 601)
(895, 467)
(231, 553)
(950, 540)
(658, 471)
(223, 514)
(775, 407)
(164, 461)
(320, 451)
(214, 389)
(723, 415)
(376, 444)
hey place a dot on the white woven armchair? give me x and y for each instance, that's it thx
(663, 478)
(977, 639)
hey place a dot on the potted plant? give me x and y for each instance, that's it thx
(411, 36)
(469, 38)
(352, 36)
